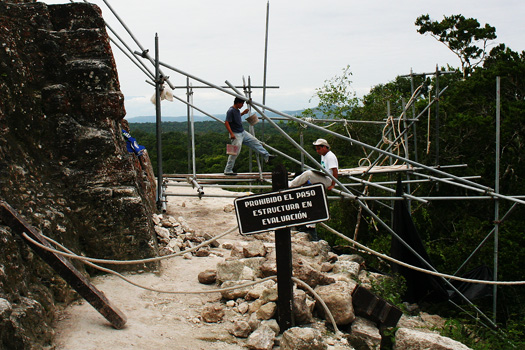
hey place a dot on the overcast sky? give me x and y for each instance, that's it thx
(308, 42)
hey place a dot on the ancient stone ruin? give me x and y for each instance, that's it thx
(63, 161)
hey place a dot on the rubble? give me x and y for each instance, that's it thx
(333, 279)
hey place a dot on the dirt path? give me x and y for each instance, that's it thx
(155, 320)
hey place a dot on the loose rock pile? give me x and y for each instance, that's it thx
(175, 236)
(251, 311)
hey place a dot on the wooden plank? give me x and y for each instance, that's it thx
(63, 267)
(368, 305)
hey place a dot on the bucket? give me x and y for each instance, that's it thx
(253, 119)
(232, 149)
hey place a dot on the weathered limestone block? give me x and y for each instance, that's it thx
(267, 311)
(240, 329)
(212, 313)
(297, 338)
(231, 270)
(365, 335)
(310, 275)
(302, 307)
(257, 290)
(234, 293)
(349, 268)
(262, 338)
(253, 249)
(338, 299)
(408, 339)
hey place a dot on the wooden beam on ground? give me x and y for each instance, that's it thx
(63, 267)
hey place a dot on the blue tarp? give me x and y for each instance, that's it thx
(132, 144)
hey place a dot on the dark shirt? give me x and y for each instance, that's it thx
(233, 116)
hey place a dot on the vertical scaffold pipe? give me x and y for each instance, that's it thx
(265, 63)
(436, 132)
(192, 129)
(188, 93)
(496, 201)
(158, 84)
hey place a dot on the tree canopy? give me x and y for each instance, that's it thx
(465, 37)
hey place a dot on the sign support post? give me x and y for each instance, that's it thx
(283, 250)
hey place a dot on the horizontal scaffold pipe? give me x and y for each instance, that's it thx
(346, 195)
(205, 182)
(373, 184)
(322, 120)
(412, 181)
(425, 74)
(491, 193)
(211, 87)
(204, 185)
(351, 121)
(205, 195)
(430, 199)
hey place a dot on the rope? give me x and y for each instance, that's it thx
(121, 262)
(307, 119)
(119, 275)
(365, 248)
(217, 290)
(395, 146)
(360, 162)
(386, 257)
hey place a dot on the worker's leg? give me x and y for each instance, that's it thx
(252, 142)
(312, 177)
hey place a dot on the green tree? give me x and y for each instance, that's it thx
(463, 36)
(336, 96)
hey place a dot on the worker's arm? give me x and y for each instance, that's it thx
(335, 173)
(232, 135)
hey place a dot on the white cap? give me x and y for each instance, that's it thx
(321, 142)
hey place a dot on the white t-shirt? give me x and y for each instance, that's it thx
(329, 161)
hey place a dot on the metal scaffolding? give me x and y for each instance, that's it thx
(415, 171)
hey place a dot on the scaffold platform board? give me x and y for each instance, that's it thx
(377, 169)
(220, 176)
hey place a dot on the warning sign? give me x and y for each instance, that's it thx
(286, 208)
